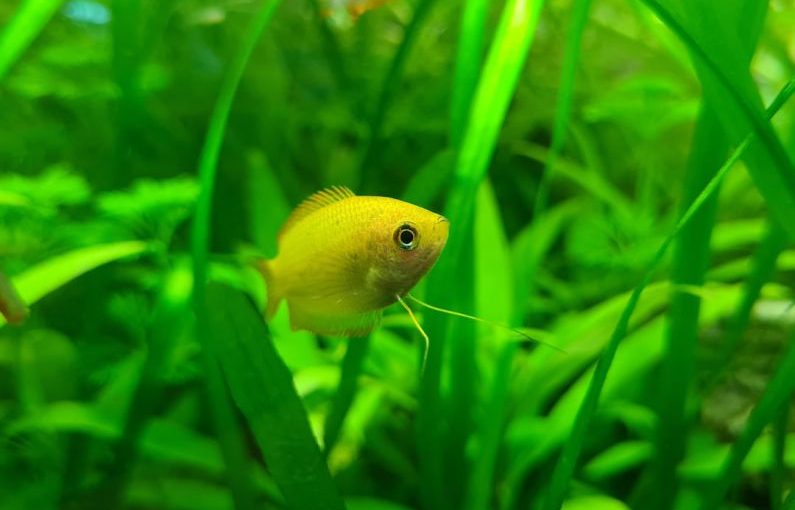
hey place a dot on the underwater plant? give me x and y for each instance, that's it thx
(614, 180)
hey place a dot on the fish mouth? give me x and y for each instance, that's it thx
(442, 219)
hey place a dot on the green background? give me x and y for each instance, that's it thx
(620, 180)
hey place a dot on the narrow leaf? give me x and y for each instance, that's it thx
(263, 389)
(24, 27)
(46, 277)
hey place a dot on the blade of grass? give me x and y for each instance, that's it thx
(679, 363)
(494, 301)
(564, 469)
(226, 426)
(769, 164)
(494, 290)
(263, 389)
(467, 65)
(368, 166)
(775, 398)
(498, 397)
(484, 472)
(691, 255)
(26, 24)
(496, 87)
(46, 277)
(346, 390)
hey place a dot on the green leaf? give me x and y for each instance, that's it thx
(44, 278)
(722, 63)
(263, 389)
(226, 425)
(467, 65)
(10, 199)
(594, 503)
(495, 90)
(493, 279)
(618, 459)
(28, 21)
(566, 464)
(691, 256)
(493, 301)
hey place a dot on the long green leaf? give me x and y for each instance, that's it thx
(48, 276)
(733, 88)
(262, 386)
(467, 65)
(526, 269)
(28, 21)
(493, 95)
(568, 459)
(226, 425)
(690, 262)
(494, 301)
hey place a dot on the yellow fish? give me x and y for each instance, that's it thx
(343, 258)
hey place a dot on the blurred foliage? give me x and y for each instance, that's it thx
(104, 401)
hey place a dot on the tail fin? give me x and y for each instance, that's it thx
(274, 295)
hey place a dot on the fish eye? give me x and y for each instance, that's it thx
(406, 237)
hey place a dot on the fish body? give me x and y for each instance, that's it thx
(343, 258)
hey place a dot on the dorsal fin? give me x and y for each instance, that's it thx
(317, 201)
